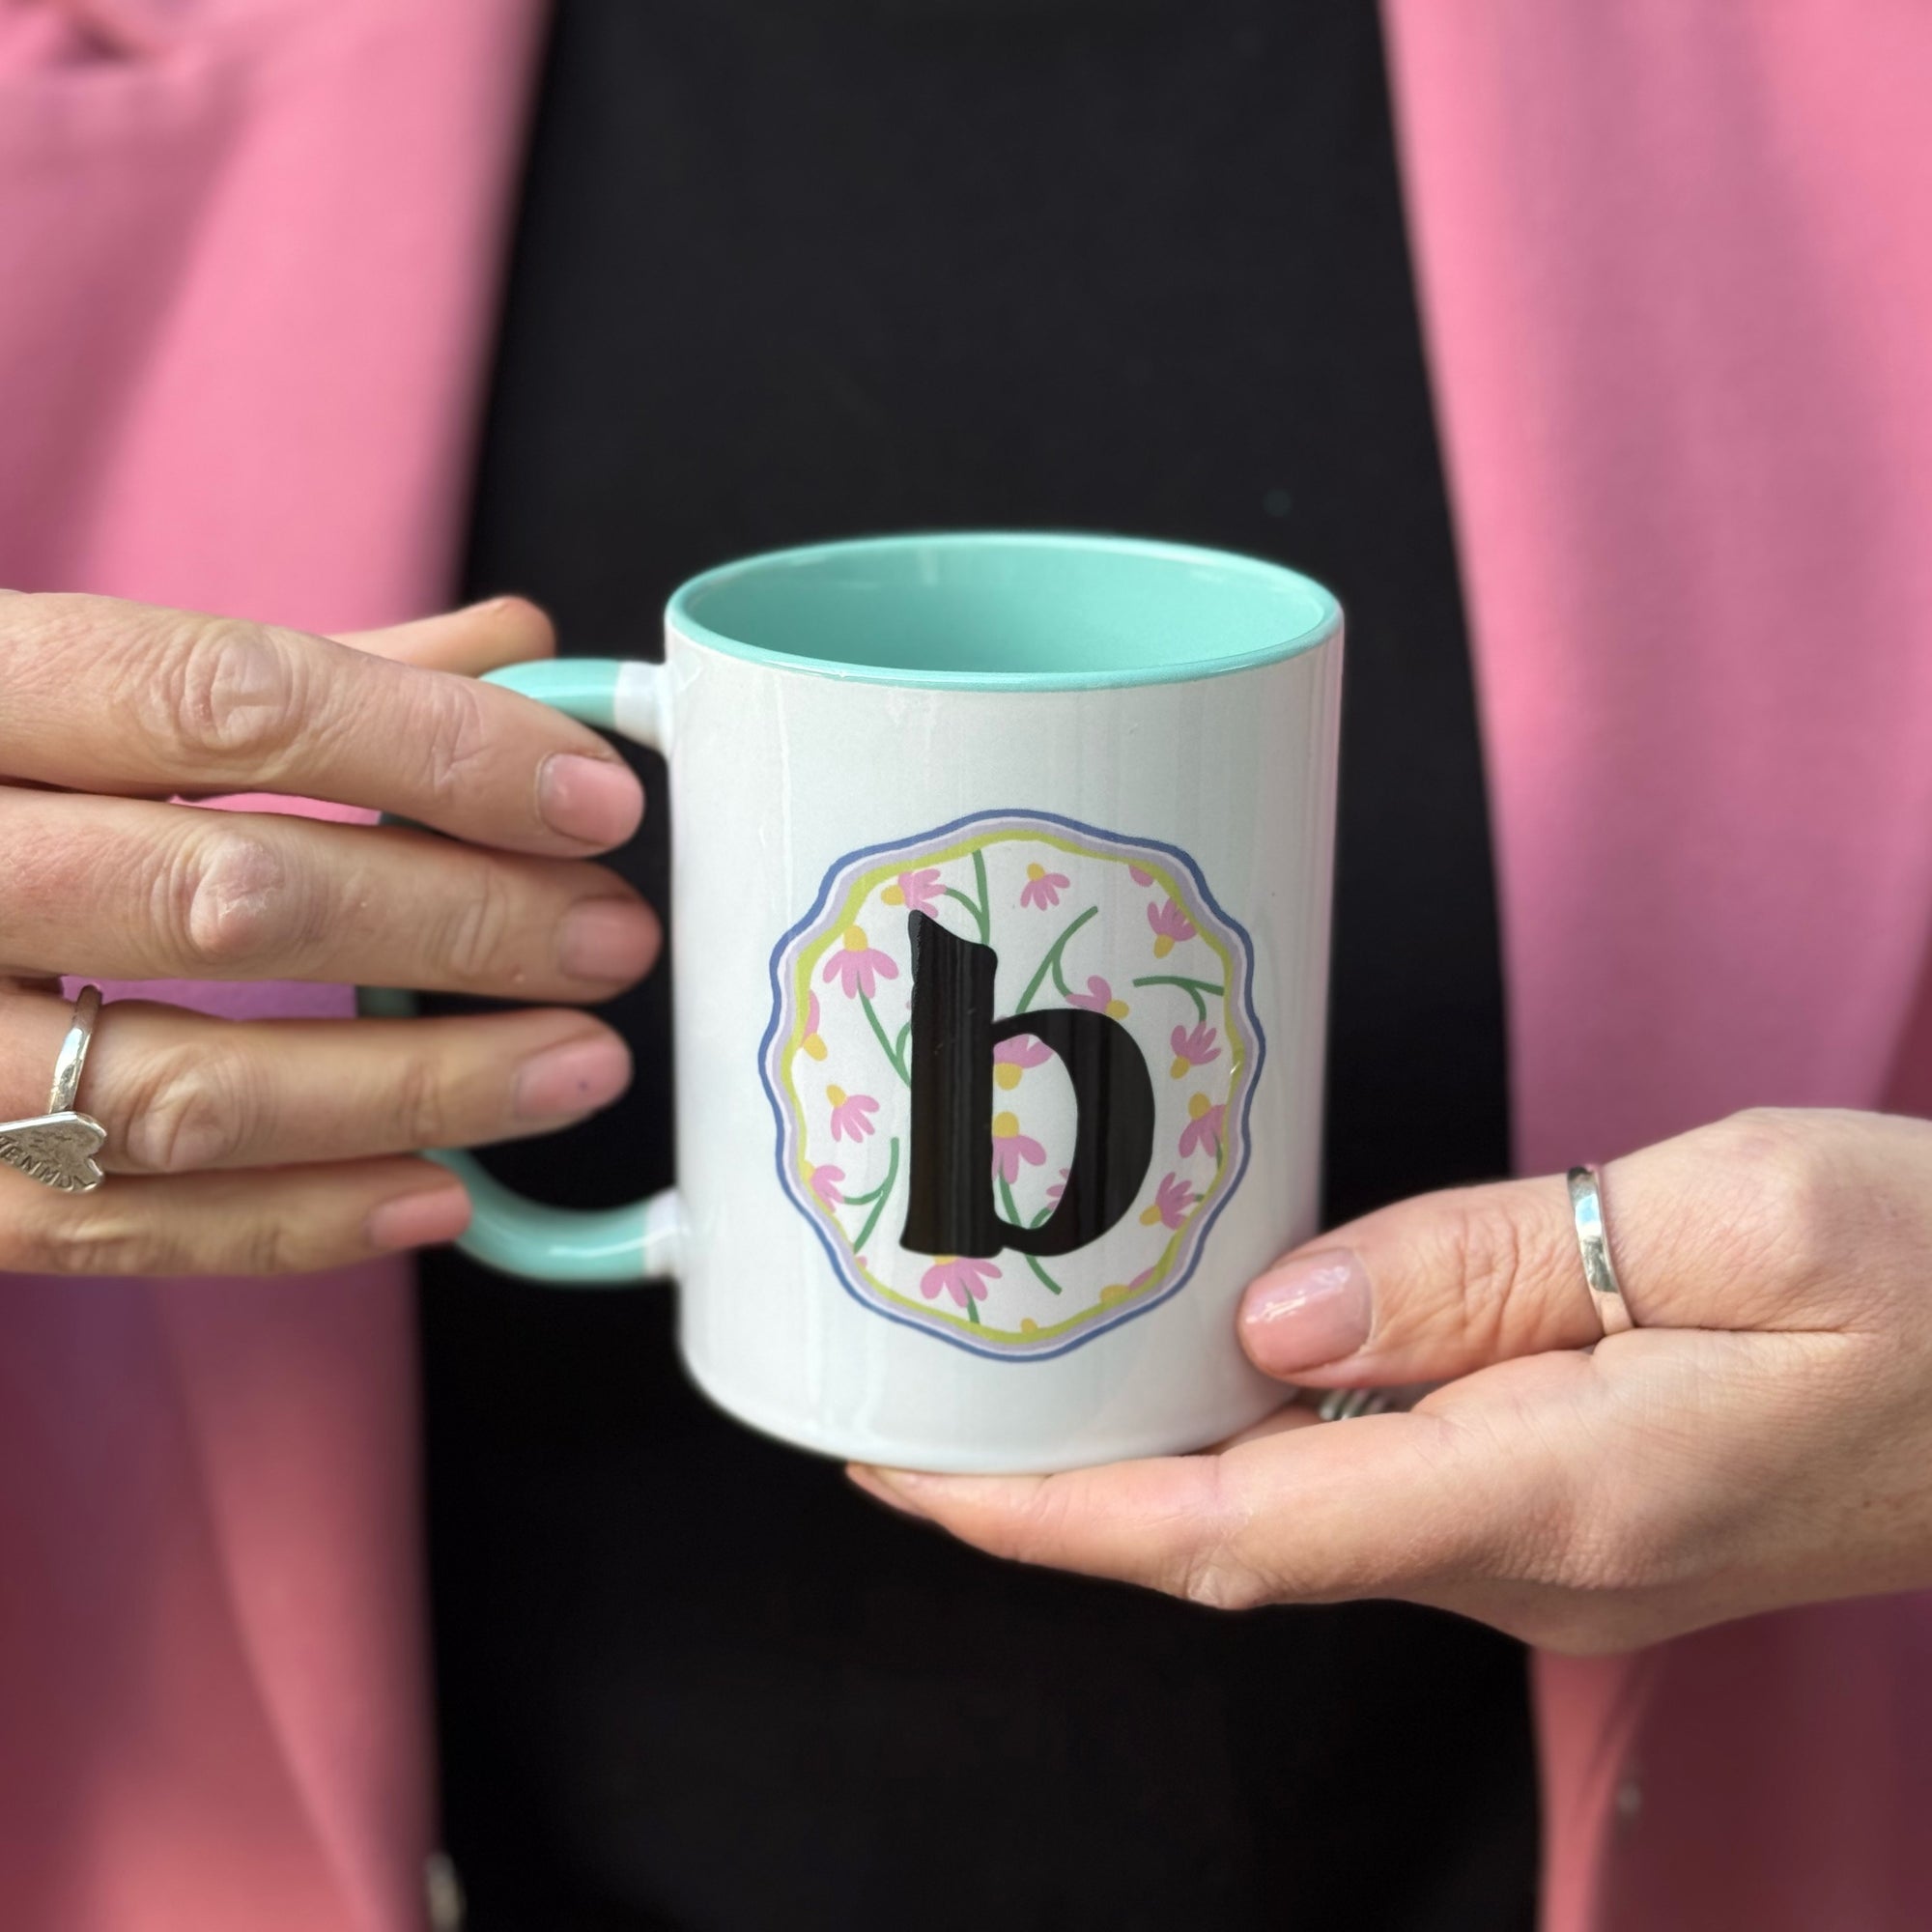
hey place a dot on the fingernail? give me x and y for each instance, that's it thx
(612, 940)
(576, 1078)
(418, 1221)
(1314, 1309)
(597, 800)
(886, 1487)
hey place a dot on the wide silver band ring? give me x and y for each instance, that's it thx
(1592, 1238)
(57, 1147)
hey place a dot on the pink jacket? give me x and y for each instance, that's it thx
(1676, 258)
(1677, 267)
(248, 257)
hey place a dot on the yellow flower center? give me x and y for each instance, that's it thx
(892, 896)
(1149, 1215)
(814, 1046)
(1005, 1126)
(836, 1095)
(1008, 1073)
(1198, 1106)
(1117, 1291)
(1181, 1064)
(1117, 1010)
(1028, 1325)
(1162, 946)
(1036, 871)
(943, 1260)
(855, 939)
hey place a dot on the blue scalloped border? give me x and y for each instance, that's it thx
(1227, 1194)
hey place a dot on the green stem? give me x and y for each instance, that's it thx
(1013, 1216)
(1193, 989)
(1046, 1279)
(885, 1044)
(898, 1052)
(978, 911)
(971, 1309)
(885, 1186)
(878, 1199)
(1051, 963)
(986, 897)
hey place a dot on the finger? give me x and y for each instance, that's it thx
(480, 638)
(1426, 1289)
(280, 1221)
(179, 1092)
(1724, 1227)
(1387, 1505)
(126, 889)
(102, 696)
(1291, 1415)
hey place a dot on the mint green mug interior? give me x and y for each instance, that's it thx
(998, 611)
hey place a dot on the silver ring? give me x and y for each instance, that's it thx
(1345, 1404)
(1592, 1238)
(72, 1055)
(57, 1147)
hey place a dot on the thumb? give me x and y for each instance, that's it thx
(1447, 1283)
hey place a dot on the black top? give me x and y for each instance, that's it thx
(798, 269)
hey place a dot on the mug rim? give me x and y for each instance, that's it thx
(1324, 624)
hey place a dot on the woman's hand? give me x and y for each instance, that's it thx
(264, 1147)
(1763, 1438)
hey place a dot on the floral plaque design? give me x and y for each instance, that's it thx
(1015, 1192)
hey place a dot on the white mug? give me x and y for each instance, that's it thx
(925, 791)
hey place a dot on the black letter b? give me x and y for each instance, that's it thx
(951, 1208)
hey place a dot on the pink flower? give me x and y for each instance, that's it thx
(1119, 1291)
(917, 891)
(849, 1113)
(1011, 1147)
(1204, 1127)
(812, 1043)
(1098, 997)
(1058, 1187)
(961, 1276)
(1012, 1056)
(1139, 877)
(855, 964)
(824, 1183)
(1043, 888)
(1171, 925)
(1171, 1202)
(1192, 1049)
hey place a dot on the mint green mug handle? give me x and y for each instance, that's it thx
(609, 1245)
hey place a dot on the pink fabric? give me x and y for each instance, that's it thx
(247, 262)
(1677, 267)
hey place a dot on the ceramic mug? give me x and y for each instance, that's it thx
(999, 920)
